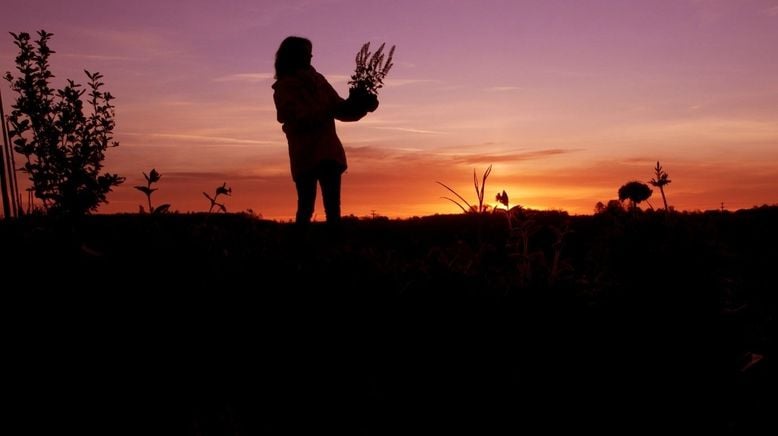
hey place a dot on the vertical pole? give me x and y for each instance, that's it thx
(8, 208)
(17, 199)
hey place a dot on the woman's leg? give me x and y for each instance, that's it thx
(306, 197)
(329, 178)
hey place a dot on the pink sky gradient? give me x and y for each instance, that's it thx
(567, 99)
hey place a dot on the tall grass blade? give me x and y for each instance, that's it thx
(458, 196)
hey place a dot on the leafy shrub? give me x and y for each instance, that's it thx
(63, 142)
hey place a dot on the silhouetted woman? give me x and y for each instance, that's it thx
(307, 106)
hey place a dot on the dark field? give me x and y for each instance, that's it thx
(225, 324)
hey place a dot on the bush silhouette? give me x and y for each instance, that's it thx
(64, 146)
(636, 192)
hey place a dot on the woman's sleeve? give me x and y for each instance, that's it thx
(337, 107)
(348, 110)
(356, 106)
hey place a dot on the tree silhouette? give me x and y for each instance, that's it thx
(634, 191)
(62, 137)
(660, 180)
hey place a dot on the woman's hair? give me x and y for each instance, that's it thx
(294, 54)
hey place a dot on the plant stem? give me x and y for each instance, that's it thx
(148, 196)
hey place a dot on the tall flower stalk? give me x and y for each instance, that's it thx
(660, 180)
(371, 69)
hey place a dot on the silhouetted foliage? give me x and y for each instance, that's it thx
(221, 190)
(502, 198)
(152, 177)
(371, 69)
(613, 207)
(660, 180)
(605, 319)
(9, 190)
(479, 192)
(636, 192)
(63, 145)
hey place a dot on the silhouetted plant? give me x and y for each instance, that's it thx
(63, 146)
(660, 180)
(479, 192)
(636, 192)
(521, 230)
(556, 264)
(371, 69)
(533, 263)
(221, 190)
(9, 189)
(613, 207)
(152, 177)
(250, 212)
(502, 198)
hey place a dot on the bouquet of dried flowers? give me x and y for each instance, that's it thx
(371, 70)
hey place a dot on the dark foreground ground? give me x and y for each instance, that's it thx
(228, 325)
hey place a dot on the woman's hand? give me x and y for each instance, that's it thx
(363, 99)
(371, 102)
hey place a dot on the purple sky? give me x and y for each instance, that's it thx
(567, 99)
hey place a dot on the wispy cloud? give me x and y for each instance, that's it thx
(503, 89)
(98, 57)
(368, 153)
(470, 146)
(569, 73)
(388, 158)
(141, 44)
(385, 155)
(337, 78)
(512, 157)
(391, 82)
(641, 160)
(245, 77)
(410, 130)
(382, 156)
(216, 175)
(772, 11)
(200, 138)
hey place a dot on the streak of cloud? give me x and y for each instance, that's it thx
(411, 130)
(504, 89)
(245, 77)
(201, 138)
(512, 157)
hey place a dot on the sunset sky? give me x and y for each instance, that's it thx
(567, 99)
